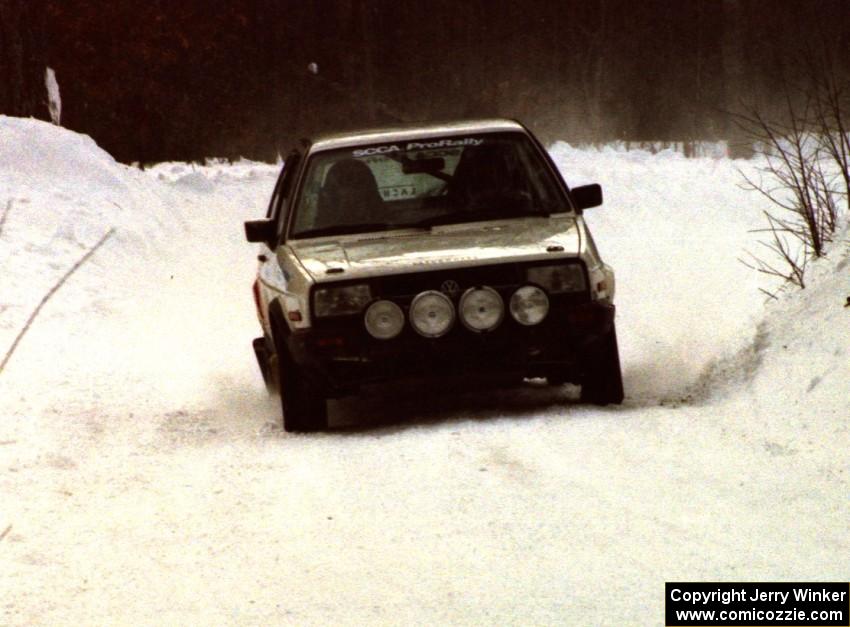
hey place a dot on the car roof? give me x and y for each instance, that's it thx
(410, 132)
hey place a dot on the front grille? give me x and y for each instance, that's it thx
(404, 287)
(504, 278)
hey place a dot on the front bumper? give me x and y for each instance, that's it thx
(342, 356)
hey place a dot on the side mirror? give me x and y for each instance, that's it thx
(259, 230)
(587, 196)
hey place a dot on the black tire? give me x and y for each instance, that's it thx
(266, 363)
(303, 407)
(602, 383)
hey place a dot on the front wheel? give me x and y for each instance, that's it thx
(267, 361)
(303, 406)
(602, 383)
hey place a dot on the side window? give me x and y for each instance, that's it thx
(274, 204)
(280, 207)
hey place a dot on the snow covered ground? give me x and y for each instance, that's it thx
(144, 477)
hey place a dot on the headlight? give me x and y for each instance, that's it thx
(481, 309)
(341, 301)
(559, 279)
(432, 314)
(384, 320)
(529, 305)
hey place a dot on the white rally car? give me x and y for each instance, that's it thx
(430, 251)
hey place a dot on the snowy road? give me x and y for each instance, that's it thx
(144, 477)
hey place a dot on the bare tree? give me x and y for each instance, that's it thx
(796, 178)
(832, 113)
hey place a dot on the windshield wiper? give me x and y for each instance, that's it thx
(344, 229)
(460, 217)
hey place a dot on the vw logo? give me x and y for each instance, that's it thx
(450, 287)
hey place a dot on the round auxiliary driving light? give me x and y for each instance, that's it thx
(481, 309)
(432, 314)
(529, 305)
(384, 320)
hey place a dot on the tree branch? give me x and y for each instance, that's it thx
(50, 293)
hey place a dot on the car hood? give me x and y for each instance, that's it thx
(450, 246)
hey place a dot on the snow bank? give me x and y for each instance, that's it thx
(804, 360)
(34, 153)
(59, 194)
(140, 310)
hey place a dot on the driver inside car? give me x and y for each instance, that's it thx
(349, 195)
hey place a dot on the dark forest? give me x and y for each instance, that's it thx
(163, 80)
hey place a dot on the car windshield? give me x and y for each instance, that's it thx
(425, 182)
